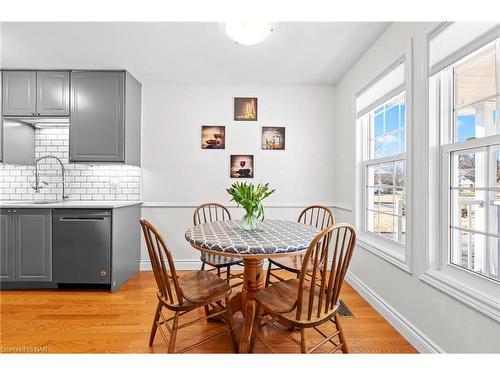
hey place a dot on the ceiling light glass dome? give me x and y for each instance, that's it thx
(248, 33)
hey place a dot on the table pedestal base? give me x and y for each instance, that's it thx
(244, 301)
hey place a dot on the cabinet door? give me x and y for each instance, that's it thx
(19, 93)
(33, 254)
(52, 93)
(97, 126)
(6, 246)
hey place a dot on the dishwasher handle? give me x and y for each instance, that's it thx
(81, 215)
(85, 219)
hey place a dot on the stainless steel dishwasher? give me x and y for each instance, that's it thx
(81, 246)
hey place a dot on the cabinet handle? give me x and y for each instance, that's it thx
(33, 113)
(38, 113)
(8, 211)
(15, 211)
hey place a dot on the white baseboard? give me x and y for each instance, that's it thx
(411, 333)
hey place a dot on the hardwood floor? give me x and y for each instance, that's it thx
(69, 321)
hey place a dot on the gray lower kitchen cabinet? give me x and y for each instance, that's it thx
(105, 117)
(19, 93)
(26, 245)
(54, 247)
(52, 93)
(6, 245)
(33, 251)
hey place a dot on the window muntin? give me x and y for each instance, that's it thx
(475, 214)
(472, 147)
(386, 201)
(388, 128)
(385, 169)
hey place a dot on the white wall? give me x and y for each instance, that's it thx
(177, 174)
(431, 319)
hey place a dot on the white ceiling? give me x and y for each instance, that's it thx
(192, 52)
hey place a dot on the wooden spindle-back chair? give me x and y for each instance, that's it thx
(207, 213)
(317, 216)
(181, 294)
(312, 300)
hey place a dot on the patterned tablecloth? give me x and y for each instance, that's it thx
(273, 236)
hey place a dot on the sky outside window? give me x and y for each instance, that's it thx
(389, 122)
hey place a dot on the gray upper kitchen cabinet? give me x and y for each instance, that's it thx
(18, 142)
(32, 93)
(105, 122)
(6, 245)
(1, 122)
(33, 245)
(19, 93)
(52, 93)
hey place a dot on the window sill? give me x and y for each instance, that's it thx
(471, 297)
(385, 252)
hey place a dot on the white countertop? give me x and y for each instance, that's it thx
(68, 204)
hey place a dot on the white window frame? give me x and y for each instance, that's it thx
(391, 251)
(473, 289)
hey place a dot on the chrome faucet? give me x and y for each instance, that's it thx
(63, 173)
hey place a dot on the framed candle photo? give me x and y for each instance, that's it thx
(242, 166)
(273, 138)
(213, 137)
(245, 109)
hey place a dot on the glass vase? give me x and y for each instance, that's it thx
(249, 222)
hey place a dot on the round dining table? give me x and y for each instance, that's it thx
(273, 239)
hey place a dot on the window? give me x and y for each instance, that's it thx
(463, 82)
(385, 170)
(382, 128)
(469, 103)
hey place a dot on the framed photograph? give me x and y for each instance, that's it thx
(213, 137)
(245, 109)
(273, 138)
(242, 166)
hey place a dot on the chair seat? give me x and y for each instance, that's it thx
(218, 260)
(280, 299)
(292, 263)
(202, 286)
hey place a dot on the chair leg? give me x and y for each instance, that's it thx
(256, 319)
(231, 325)
(173, 336)
(345, 350)
(303, 343)
(268, 274)
(207, 310)
(155, 326)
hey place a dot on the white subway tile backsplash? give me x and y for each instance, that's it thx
(84, 181)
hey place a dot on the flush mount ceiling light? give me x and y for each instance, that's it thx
(248, 33)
